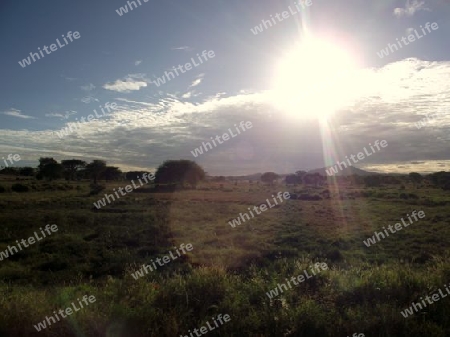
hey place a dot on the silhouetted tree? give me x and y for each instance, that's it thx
(49, 168)
(415, 177)
(179, 172)
(300, 174)
(71, 166)
(291, 179)
(13, 171)
(112, 173)
(439, 179)
(135, 175)
(26, 171)
(269, 177)
(313, 179)
(95, 169)
(45, 161)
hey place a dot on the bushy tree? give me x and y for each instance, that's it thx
(291, 179)
(71, 166)
(12, 171)
(49, 168)
(112, 173)
(95, 169)
(26, 171)
(43, 161)
(313, 179)
(439, 179)
(135, 175)
(269, 177)
(179, 172)
(415, 177)
(295, 179)
(372, 181)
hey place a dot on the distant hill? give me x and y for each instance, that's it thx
(345, 172)
(254, 177)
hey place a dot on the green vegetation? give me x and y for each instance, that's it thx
(229, 270)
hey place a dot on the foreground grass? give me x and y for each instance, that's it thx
(230, 269)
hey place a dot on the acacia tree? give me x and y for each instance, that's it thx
(49, 168)
(179, 172)
(296, 178)
(291, 179)
(269, 177)
(95, 169)
(112, 173)
(71, 166)
(415, 177)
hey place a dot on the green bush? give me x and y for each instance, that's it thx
(2, 189)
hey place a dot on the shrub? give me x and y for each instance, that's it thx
(308, 197)
(2, 189)
(96, 189)
(19, 188)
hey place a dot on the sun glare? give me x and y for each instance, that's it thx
(312, 80)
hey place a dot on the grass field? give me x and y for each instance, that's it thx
(229, 270)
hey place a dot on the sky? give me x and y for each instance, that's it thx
(313, 82)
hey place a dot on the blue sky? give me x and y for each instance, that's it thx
(117, 57)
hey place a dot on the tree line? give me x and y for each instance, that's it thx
(179, 172)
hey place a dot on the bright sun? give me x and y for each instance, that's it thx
(313, 80)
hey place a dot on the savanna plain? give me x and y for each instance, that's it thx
(229, 270)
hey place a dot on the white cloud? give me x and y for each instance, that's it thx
(89, 99)
(187, 95)
(387, 103)
(140, 76)
(186, 48)
(88, 87)
(70, 79)
(411, 7)
(409, 31)
(131, 83)
(138, 62)
(17, 113)
(66, 115)
(197, 81)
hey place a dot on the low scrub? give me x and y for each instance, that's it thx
(19, 188)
